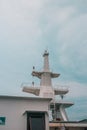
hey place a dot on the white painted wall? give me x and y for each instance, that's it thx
(13, 109)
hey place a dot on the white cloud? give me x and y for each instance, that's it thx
(20, 31)
(74, 29)
(73, 47)
(77, 90)
(20, 18)
(65, 14)
(57, 17)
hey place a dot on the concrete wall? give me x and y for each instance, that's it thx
(13, 109)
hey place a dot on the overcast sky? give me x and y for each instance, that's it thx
(28, 27)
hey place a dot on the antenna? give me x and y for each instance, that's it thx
(62, 96)
(33, 76)
(33, 67)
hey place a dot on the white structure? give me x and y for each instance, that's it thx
(14, 112)
(47, 90)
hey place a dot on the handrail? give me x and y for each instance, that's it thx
(56, 87)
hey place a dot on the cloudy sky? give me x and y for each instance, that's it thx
(27, 28)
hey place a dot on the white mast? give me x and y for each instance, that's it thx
(46, 89)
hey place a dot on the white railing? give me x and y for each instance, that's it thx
(61, 87)
(56, 87)
(29, 85)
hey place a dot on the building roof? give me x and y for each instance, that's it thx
(26, 98)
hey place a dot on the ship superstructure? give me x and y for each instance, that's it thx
(47, 90)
